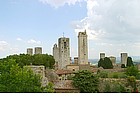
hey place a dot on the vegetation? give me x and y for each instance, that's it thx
(103, 74)
(131, 81)
(86, 81)
(105, 63)
(108, 86)
(132, 71)
(36, 59)
(122, 65)
(15, 79)
(129, 62)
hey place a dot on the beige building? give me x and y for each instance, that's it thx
(38, 50)
(113, 60)
(82, 48)
(124, 57)
(102, 55)
(61, 53)
(30, 51)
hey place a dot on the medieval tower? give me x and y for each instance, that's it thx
(38, 50)
(56, 53)
(61, 53)
(124, 58)
(82, 48)
(30, 51)
(64, 52)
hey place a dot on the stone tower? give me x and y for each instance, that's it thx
(56, 52)
(102, 55)
(30, 51)
(38, 50)
(82, 48)
(64, 52)
(124, 58)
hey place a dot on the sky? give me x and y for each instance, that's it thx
(113, 26)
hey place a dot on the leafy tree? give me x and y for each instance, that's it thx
(86, 81)
(36, 59)
(49, 88)
(129, 62)
(122, 65)
(132, 71)
(105, 63)
(131, 81)
(16, 79)
(103, 74)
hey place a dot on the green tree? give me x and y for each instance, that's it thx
(122, 65)
(132, 71)
(129, 62)
(16, 79)
(105, 63)
(86, 81)
(36, 59)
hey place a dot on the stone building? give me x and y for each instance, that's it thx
(124, 57)
(82, 48)
(113, 60)
(30, 51)
(40, 70)
(102, 55)
(38, 50)
(62, 53)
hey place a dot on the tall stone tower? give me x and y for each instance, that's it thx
(64, 52)
(38, 50)
(102, 55)
(82, 48)
(30, 51)
(124, 58)
(56, 52)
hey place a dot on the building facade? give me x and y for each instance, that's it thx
(82, 48)
(124, 57)
(102, 55)
(30, 51)
(64, 52)
(38, 50)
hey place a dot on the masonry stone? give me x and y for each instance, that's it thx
(38, 50)
(82, 48)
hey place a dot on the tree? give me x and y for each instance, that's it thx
(122, 65)
(132, 71)
(129, 62)
(105, 63)
(36, 59)
(86, 81)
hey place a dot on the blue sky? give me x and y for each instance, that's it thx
(111, 26)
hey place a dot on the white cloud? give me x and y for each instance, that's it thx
(57, 3)
(112, 22)
(19, 39)
(34, 42)
(3, 45)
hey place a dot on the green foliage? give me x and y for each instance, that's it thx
(132, 71)
(37, 59)
(49, 88)
(114, 87)
(131, 81)
(103, 74)
(115, 75)
(122, 65)
(16, 79)
(129, 62)
(86, 82)
(105, 63)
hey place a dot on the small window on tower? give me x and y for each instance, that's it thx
(65, 44)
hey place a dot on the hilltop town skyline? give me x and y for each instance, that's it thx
(111, 26)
